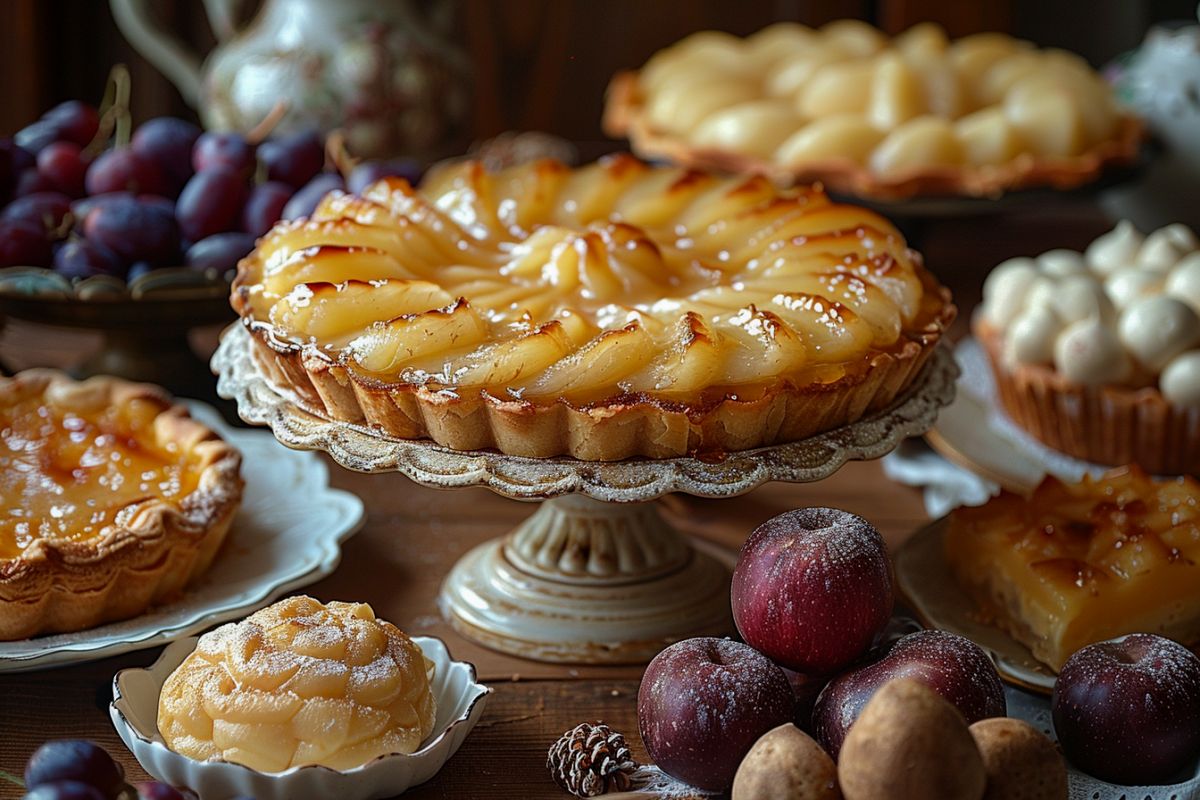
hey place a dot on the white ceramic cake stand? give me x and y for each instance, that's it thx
(595, 575)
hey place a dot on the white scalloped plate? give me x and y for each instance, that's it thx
(134, 711)
(288, 534)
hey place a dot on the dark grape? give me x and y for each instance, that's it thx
(81, 207)
(45, 210)
(157, 790)
(368, 172)
(77, 121)
(23, 245)
(293, 159)
(30, 181)
(305, 201)
(65, 790)
(161, 203)
(22, 159)
(124, 170)
(169, 142)
(64, 165)
(83, 258)
(134, 230)
(210, 203)
(220, 252)
(74, 760)
(38, 135)
(223, 149)
(264, 206)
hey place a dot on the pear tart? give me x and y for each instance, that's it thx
(610, 311)
(1074, 564)
(876, 117)
(114, 499)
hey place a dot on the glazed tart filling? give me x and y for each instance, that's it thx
(1080, 563)
(540, 283)
(66, 473)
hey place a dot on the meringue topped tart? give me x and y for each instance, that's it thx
(1074, 564)
(609, 311)
(300, 683)
(114, 498)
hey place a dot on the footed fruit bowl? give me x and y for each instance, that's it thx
(145, 323)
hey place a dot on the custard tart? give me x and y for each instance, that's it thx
(876, 117)
(610, 311)
(114, 497)
(1074, 564)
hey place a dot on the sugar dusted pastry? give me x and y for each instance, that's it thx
(300, 683)
(1096, 354)
(845, 105)
(605, 312)
(1079, 563)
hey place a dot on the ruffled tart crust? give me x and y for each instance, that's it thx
(145, 551)
(632, 211)
(1110, 424)
(626, 116)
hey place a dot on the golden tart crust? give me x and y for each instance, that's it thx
(607, 312)
(917, 115)
(91, 546)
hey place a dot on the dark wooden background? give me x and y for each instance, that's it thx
(539, 64)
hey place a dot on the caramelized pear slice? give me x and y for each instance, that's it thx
(599, 366)
(388, 346)
(329, 311)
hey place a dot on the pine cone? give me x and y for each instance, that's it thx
(591, 759)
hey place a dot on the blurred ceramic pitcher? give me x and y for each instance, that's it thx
(384, 71)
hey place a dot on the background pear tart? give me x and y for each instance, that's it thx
(300, 683)
(873, 116)
(114, 499)
(610, 311)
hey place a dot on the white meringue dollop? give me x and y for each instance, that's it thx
(1005, 289)
(1116, 249)
(1156, 329)
(1031, 336)
(1180, 380)
(1089, 353)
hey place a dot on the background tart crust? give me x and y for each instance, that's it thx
(615, 429)
(154, 547)
(624, 118)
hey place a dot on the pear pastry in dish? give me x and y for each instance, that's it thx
(604, 312)
(115, 499)
(1097, 354)
(866, 115)
(300, 683)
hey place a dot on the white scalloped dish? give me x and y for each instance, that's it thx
(134, 711)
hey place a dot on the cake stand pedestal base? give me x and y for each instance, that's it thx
(588, 582)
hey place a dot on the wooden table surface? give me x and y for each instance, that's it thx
(413, 534)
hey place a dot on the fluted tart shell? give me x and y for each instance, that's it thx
(1111, 425)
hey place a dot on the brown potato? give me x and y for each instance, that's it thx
(786, 764)
(1021, 762)
(910, 744)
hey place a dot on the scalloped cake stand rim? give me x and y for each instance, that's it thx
(362, 449)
